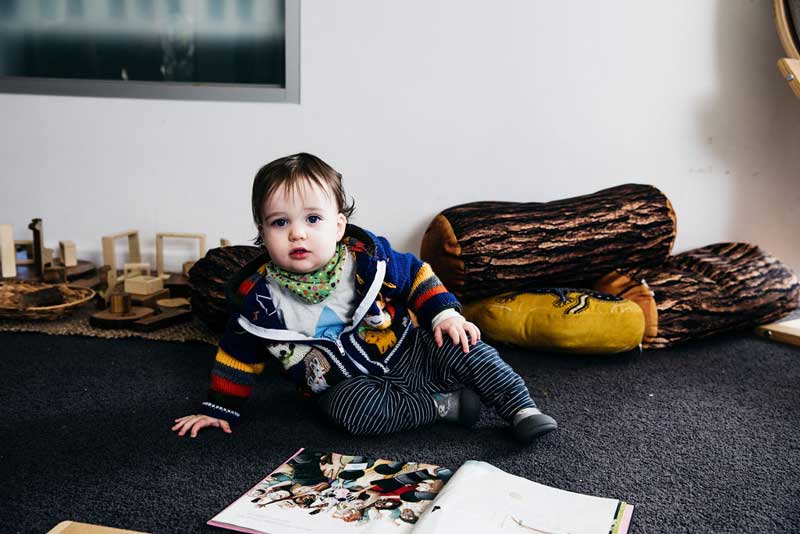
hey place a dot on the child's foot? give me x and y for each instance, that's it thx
(530, 423)
(462, 407)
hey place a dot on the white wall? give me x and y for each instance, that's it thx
(426, 104)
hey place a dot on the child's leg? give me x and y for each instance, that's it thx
(481, 369)
(377, 405)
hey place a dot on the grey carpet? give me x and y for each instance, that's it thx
(704, 437)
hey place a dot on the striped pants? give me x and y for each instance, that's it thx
(402, 400)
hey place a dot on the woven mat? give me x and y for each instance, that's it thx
(77, 324)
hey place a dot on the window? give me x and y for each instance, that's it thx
(181, 49)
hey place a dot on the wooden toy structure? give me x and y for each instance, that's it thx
(162, 293)
(38, 262)
(787, 23)
(178, 283)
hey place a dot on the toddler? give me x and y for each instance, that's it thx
(370, 332)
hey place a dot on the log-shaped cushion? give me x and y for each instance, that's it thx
(706, 291)
(560, 319)
(487, 248)
(207, 279)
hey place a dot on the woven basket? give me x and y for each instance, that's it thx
(10, 293)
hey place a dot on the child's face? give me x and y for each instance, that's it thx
(301, 228)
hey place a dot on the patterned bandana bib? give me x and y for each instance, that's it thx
(311, 287)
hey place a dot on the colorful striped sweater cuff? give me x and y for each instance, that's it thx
(220, 412)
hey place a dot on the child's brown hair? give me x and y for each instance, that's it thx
(290, 171)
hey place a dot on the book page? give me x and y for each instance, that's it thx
(336, 493)
(483, 498)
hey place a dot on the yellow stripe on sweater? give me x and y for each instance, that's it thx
(226, 359)
(423, 274)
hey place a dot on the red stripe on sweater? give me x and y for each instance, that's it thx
(227, 387)
(422, 299)
(246, 286)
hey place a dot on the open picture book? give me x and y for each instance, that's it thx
(333, 493)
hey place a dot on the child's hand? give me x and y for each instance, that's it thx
(459, 330)
(196, 422)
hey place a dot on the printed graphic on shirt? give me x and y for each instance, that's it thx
(288, 354)
(317, 366)
(378, 329)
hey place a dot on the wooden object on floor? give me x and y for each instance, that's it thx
(120, 304)
(162, 319)
(120, 313)
(224, 242)
(138, 280)
(68, 253)
(38, 245)
(782, 331)
(151, 300)
(8, 256)
(179, 302)
(201, 247)
(110, 255)
(74, 527)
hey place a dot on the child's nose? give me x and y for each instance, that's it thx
(297, 232)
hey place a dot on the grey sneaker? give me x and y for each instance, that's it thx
(530, 423)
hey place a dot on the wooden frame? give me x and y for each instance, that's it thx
(201, 248)
(110, 255)
(789, 67)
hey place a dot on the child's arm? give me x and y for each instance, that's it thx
(435, 307)
(239, 359)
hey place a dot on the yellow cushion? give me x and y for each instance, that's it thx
(570, 320)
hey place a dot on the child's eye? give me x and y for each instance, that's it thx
(279, 222)
(314, 219)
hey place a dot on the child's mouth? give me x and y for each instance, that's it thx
(298, 253)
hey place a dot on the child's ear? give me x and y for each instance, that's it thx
(341, 224)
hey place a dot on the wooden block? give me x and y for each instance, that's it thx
(224, 242)
(8, 253)
(138, 281)
(74, 527)
(143, 285)
(68, 253)
(161, 320)
(187, 265)
(782, 331)
(151, 301)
